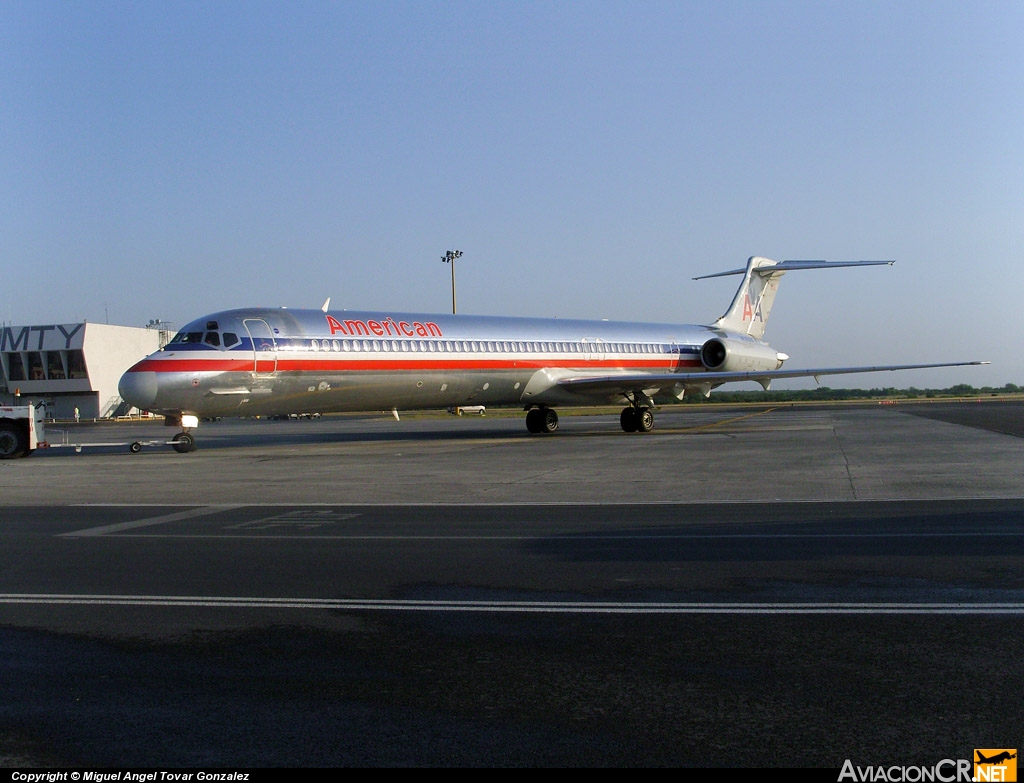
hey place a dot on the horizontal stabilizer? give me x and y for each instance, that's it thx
(790, 266)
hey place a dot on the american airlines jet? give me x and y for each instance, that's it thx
(261, 361)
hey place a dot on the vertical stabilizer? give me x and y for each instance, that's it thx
(749, 310)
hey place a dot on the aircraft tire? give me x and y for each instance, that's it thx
(644, 420)
(627, 420)
(549, 421)
(533, 421)
(183, 443)
(135, 447)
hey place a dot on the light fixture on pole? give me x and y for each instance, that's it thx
(449, 258)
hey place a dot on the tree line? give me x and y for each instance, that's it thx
(825, 393)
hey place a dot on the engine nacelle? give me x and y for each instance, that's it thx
(721, 354)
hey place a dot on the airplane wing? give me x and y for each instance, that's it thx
(705, 380)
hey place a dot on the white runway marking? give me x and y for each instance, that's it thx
(316, 516)
(551, 607)
(122, 531)
(120, 527)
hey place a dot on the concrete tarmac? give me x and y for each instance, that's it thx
(790, 586)
(695, 454)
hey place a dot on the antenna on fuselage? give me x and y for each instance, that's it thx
(327, 303)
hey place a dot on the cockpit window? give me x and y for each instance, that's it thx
(212, 338)
(188, 337)
(212, 325)
(230, 338)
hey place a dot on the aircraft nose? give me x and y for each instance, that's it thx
(138, 388)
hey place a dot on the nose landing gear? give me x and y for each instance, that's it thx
(184, 441)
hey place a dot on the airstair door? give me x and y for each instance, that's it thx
(264, 347)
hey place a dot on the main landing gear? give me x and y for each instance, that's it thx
(541, 421)
(637, 419)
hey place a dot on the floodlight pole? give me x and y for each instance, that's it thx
(449, 258)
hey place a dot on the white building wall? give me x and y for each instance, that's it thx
(109, 351)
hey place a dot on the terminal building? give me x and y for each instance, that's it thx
(72, 366)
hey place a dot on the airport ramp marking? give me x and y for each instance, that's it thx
(298, 519)
(529, 607)
(121, 527)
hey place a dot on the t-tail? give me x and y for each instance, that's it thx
(748, 313)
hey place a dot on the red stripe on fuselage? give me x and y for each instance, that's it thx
(193, 365)
(402, 363)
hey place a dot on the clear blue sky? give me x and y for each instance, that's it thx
(165, 160)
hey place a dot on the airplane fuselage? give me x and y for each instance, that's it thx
(276, 361)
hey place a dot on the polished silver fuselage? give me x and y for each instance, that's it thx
(279, 361)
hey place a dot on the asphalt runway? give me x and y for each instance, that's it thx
(790, 586)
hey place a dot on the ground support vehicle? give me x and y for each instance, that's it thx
(22, 430)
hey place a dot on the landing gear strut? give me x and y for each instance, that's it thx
(541, 421)
(637, 419)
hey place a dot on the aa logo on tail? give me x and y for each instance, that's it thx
(998, 764)
(749, 311)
